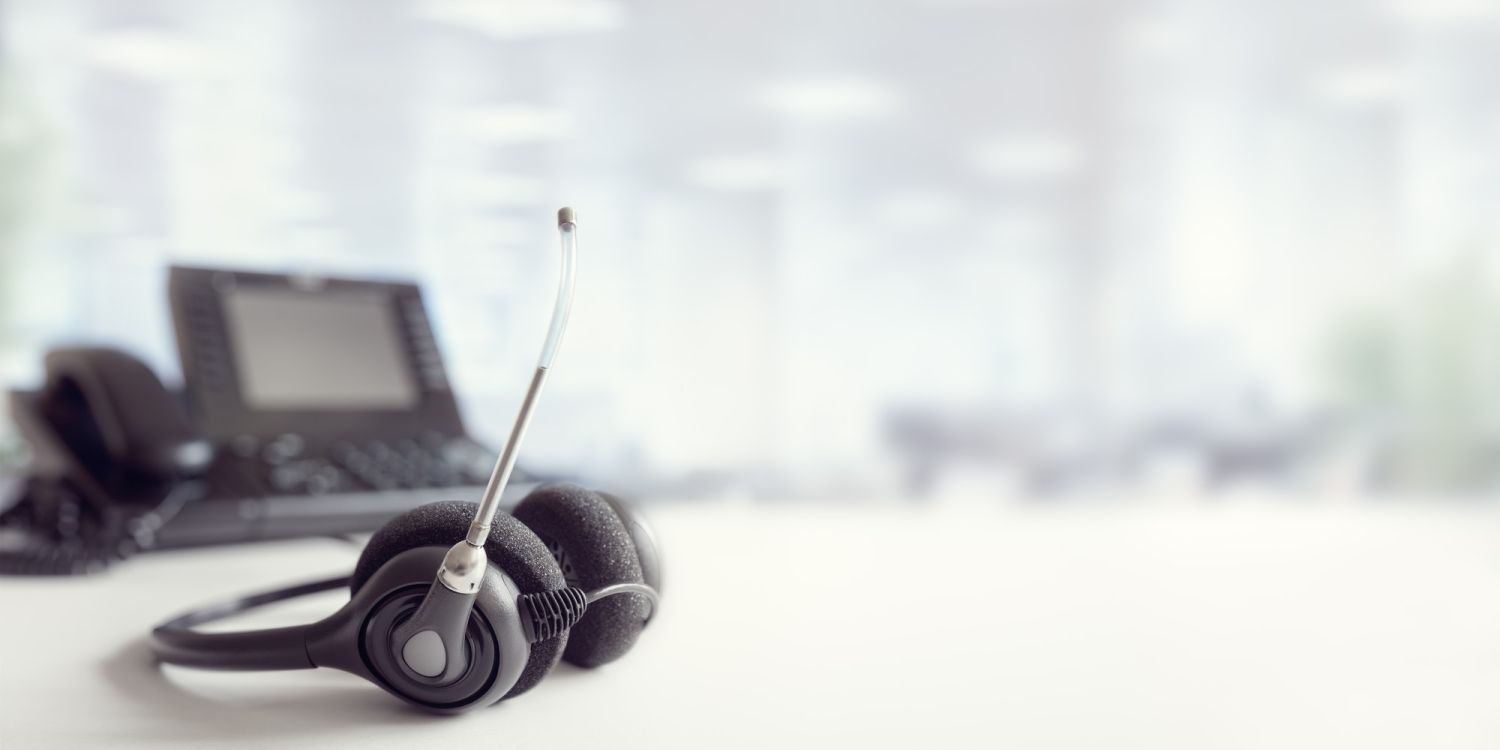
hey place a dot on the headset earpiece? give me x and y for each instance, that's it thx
(594, 548)
(642, 535)
(511, 547)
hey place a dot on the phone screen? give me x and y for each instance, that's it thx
(311, 350)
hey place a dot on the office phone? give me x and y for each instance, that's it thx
(310, 405)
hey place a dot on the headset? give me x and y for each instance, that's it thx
(569, 574)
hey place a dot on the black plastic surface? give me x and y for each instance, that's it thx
(511, 546)
(473, 673)
(445, 612)
(177, 642)
(350, 639)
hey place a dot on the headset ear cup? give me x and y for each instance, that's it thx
(511, 547)
(594, 550)
(642, 536)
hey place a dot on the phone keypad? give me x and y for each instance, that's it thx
(290, 465)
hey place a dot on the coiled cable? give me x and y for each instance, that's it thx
(54, 532)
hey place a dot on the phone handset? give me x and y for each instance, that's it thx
(112, 455)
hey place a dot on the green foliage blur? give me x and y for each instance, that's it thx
(1423, 374)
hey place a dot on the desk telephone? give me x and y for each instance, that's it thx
(310, 406)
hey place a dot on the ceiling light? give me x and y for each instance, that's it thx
(1153, 36)
(144, 52)
(299, 204)
(1444, 11)
(1028, 157)
(1359, 85)
(496, 231)
(510, 123)
(738, 172)
(515, 19)
(919, 209)
(829, 98)
(495, 190)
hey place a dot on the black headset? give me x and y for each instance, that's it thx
(569, 574)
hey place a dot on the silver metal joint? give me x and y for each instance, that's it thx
(477, 535)
(463, 568)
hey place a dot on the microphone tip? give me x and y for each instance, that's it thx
(566, 215)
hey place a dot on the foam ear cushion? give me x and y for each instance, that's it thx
(596, 551)
(511, 547)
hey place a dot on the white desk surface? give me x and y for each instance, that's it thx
(1239, 627)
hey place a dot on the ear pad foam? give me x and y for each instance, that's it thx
(596, 551)
(641, 536)
(511, 547)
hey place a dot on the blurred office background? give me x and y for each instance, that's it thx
(891, 248)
